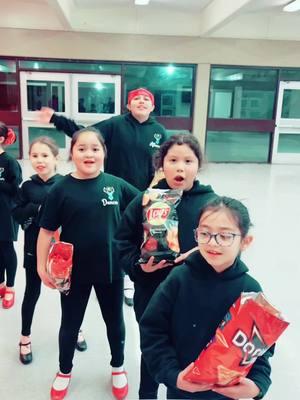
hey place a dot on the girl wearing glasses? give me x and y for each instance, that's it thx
(186, 309)
(180, 159)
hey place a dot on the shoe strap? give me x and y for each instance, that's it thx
(59, 375)
(9, 291)
(119, 373)
(24, 344)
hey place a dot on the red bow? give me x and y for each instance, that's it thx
(11, 137)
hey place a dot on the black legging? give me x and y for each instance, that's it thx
(8, 263)
(110, 299)
(31, 296)
(148, 386)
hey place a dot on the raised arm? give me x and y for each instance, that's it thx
(47, 115)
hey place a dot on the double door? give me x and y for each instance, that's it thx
(85, 98)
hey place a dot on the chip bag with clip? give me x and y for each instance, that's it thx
(247, 331)
(160, 224)
(59, 265)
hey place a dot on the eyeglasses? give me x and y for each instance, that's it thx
(223, 239)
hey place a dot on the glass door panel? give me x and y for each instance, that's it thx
(286, 143)
(31, 130)
(291, 104)
(41, 89)
(95, 97)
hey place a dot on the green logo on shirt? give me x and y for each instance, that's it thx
(157, 137)
(109, 190)
(1, 172)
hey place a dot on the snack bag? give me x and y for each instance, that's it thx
(59, 265)
(160, 224)
(247, 331)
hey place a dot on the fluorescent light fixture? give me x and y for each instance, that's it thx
(170, 69)
(292, 7)
(234, 77)
(99, 86)
(141, 2)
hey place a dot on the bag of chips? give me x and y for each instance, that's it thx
(59, 265)
(160, 224)
(247, 331)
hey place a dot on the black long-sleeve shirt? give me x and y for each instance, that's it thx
(10, 179)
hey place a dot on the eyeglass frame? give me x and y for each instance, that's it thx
(215, 236)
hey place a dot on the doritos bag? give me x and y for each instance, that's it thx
(160, 224)
(59, 265)
(248, 330)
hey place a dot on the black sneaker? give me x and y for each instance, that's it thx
(81, 344)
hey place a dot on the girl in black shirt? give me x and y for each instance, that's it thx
(10, 178)
(87, 205)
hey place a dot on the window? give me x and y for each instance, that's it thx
(9, 91)
(242, 93)
(95, 67)
(224, 146)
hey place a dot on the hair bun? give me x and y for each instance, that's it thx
(11, 137)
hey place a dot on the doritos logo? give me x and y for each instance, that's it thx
(158, 213)
(252, 347)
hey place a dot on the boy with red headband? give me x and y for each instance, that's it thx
(131, 140)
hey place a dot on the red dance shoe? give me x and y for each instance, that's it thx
(8, 303)
(60, 394)
(2, 291)
(120, 393)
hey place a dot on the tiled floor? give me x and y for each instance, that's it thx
(273, 196)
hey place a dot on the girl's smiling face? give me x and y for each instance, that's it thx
(88, 155)
(221, 221)
(180, 167)
(43, 160)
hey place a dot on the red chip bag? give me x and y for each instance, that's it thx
(59, 265)
(247, 331)
(160, 224)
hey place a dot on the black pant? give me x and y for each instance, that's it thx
(8, 263)
(110, 299)
(31, 296)
(148, 386)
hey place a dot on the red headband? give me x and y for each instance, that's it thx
(140, 92)
(10, 138)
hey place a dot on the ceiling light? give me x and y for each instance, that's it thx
(292, 7)
(170, 69)
(141, 2)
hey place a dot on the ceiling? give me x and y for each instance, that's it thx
(247, 19)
